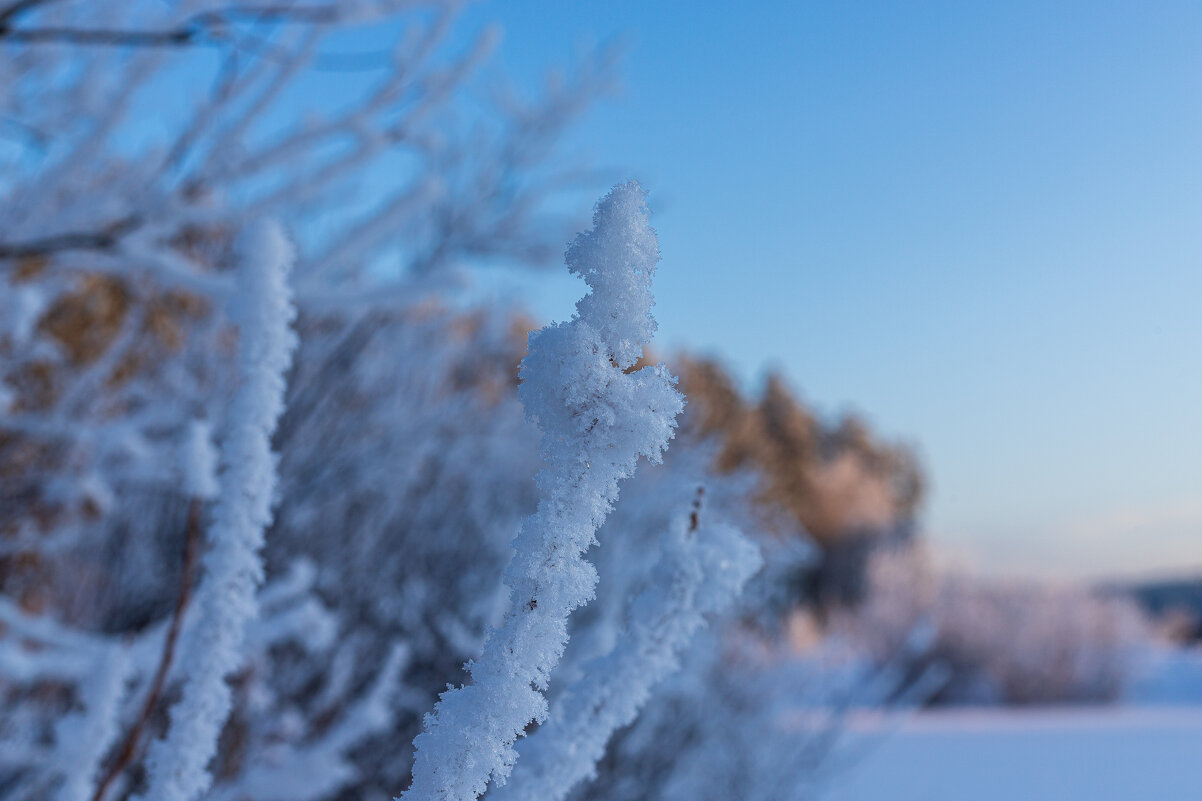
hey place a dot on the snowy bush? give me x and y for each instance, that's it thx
(147, 135)
(407, 473)
(163, 634)
(117, 240)
(1018, 642)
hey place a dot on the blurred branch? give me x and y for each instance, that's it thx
(207, 27)
(104, 239)
(171, 38)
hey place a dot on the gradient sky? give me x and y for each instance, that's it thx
(979, 226)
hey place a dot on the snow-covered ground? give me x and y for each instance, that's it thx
(1101, 754)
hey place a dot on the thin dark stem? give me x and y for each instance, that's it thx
(178, 37)
(105, 239)
(129, 747)
(207, 27)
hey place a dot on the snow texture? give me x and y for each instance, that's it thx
(262, 308)
(86, 736)
(200, 462)
(702, 569)
(596, 420)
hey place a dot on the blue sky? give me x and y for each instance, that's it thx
(978, 225)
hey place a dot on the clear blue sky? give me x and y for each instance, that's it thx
(980, 225)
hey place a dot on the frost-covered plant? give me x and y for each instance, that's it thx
(703, 565)
(403, 435)
(597, 418)
(56, 756)
(263, 311)
(136, 140)
(127, 170)
(747, 719)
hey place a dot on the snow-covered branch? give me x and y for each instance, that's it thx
(226, 601)
(596, 419)
(703, 566)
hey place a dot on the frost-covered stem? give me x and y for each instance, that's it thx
(262, 308)
(596, 420)
(199, 469)
(703, 566)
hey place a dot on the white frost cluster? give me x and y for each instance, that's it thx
(596, 420)
(703, 566)
(617, 260)
(262, 308)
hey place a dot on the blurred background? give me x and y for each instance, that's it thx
(928, 281)
(973, 226)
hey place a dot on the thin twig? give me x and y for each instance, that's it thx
(206, 27)
(104, 239)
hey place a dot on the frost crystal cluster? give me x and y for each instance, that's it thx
(597, 416)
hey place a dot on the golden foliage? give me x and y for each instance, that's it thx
(85, 322)
(836, 482)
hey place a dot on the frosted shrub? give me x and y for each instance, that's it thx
(596, 420)
(117, 212)
(747, 717)
(405, 464)
(748, 713)
(394, 472)
(1001, 642)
